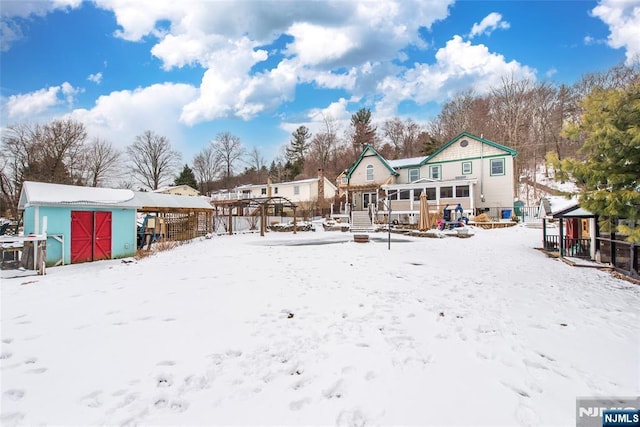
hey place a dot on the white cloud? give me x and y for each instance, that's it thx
(333, 43)
(623, 19)
(316, 44)
(489, 24)
(10, 32)
(120, 116)
(96, 78)
(26, 106)
(459, 65)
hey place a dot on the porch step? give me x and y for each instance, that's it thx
(360, 222)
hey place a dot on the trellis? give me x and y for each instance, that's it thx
(262, 206)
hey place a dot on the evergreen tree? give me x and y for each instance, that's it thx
(610, 174)
(296, 152)
(187, 177)
(363, 131)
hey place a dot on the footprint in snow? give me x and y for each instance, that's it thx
(298, 404)
(92, 400)
(14, 394)
(164, 380)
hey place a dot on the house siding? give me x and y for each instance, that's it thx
(380, 172)
(498, 190)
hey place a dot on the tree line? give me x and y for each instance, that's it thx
(525, 115)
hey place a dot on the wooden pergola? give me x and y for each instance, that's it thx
(185, 217)
(258, 204)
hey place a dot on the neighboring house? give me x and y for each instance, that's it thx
(178, 190)
(318, 190)
(469, 170)
(83, 223)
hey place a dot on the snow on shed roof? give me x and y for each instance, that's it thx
(43, 193)
(150, 200)
(560, 203)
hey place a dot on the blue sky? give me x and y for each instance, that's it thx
(259, 69)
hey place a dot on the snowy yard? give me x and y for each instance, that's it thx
(248, 330)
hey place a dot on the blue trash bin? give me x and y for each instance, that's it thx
(506, 213)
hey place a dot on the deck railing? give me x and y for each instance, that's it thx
(622, 255)
(576, 248)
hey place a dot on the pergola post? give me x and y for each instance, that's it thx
(263, 221)
(295, 222)
(230, 221)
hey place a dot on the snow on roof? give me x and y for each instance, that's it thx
(558, 203)
(160, 200)
(273, 184)
(43, 193)
(411, 161)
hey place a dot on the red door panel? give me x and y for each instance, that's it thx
(102, 236)
(81, 236)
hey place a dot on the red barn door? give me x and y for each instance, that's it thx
(81, 236)
(90, 236)
(102, 236)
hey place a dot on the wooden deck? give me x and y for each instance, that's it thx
(491, 225)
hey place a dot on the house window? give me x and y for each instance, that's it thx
(416, 194)
(462, 191)
(414, 175)
(263, 191)
(393, 195)
(497, 167)
(275, 190)
(405, 194)
(446, 192)
(431, 193)
(296, 190)
(466, 168)
(435, 172)
(369, 173)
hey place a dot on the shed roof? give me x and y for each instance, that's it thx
(149, 201)
(574, 212)
(47, 194)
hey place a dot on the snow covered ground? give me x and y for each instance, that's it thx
(313, 329)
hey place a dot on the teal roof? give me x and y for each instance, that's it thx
(506, 149)
(367, 148)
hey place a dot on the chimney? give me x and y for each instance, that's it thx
(321, 187)
(269, 187)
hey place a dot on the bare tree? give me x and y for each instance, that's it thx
(322, 149)
(63, 149)
(229, 151)
(154, 161)
(101, 161)
(393, 130)
(255, 159)
(257, 169)
(47, 153)
(455, 117)
(206, 168)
